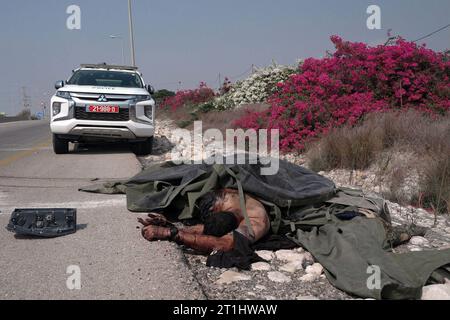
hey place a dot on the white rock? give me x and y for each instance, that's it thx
(315, 269)
(232, 276)
(414, 248)
(276, 276)
(436, 292)
(289, 255)
(261, 266)
(308, 257)
(300, 250)
(260, 287)
(419, 241)
(292, 267)
(309, 277)
(266, 255)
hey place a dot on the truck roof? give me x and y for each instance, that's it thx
(108, 67)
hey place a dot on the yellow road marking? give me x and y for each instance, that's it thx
(23, 154)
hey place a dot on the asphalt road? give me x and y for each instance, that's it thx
(114, 260)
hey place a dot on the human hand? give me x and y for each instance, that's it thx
(154, 233)
(155, 219)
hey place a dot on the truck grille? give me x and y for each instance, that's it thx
(81, 114)
(96, 96)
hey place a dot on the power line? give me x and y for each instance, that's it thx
(218, 78)
(242, 74)
(432, 33)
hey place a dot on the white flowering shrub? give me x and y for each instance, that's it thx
(256, 88)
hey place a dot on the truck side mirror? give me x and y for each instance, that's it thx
(150, 89)
(59, 84)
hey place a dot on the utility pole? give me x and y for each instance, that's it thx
(130, 19)
(26, 100)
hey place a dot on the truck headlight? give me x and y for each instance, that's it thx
(63, 94)
(56, 108)
(142, 98)
(148, 111)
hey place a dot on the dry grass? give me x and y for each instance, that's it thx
(347, 148)
(360, 147)
(211, 119)
(435, 182)
(222, 120)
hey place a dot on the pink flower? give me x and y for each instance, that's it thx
(355, 80)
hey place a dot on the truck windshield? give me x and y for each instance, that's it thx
(105, 79)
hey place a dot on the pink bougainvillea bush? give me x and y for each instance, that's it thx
(354, 81)
(189, 97)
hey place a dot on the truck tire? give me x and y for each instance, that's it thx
(143, 148)
(60, 146)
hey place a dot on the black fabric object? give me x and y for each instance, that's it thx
(220, 224)
(348, 215)
(275, 242)
(205, 204)
(241, 257)
(243, 254)
(46, 223)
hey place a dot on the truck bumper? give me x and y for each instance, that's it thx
(128, 130)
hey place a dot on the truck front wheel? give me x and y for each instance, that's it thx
(60, 146)
(143, 148)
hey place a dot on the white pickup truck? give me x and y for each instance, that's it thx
(103, 103)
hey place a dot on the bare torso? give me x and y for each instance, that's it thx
(257, 214)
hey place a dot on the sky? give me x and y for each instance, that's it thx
(180, 43)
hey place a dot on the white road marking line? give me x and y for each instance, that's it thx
(21, 149)
(3, 195)
(8, 208)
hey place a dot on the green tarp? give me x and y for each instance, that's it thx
(355, 256)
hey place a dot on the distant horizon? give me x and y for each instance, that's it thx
(180, 44)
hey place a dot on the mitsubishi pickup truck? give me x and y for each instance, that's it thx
(103, 103)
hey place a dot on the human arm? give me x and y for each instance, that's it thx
(156, 219)
(199, 242)
(204, 243)
(197, 229)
